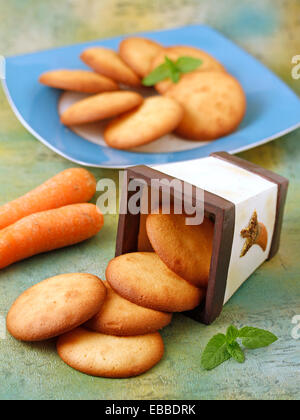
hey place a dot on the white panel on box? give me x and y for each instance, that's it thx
(249, 192)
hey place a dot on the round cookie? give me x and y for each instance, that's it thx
(209, 63)
(120, 317)
(55, 306)
(109, 356)
(142, 278)
(78, 81)
(214, 105)
(185, 249)
(110, 64)
(139, 53)
(101, 106)
(144, 244)
(156, 117)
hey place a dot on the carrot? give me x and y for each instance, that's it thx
(48, 230)
(71, 186)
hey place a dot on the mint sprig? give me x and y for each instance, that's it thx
(172, 70)
(224, 347)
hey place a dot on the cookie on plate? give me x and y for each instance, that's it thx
(142, 278)
(109, 356)
(78, 81)
(214, 105)
(110, 64)
(55, 306)
(156, 117)
(120, 317)
(209, 63)
(139, 53)
(185, 249)
(101, 106)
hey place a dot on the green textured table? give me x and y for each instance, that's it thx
(270, 30)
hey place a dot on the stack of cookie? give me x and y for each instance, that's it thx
(110, 329)
(119, 340)
(170, 271)
(204, 104)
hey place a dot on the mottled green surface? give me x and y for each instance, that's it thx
(270, 30)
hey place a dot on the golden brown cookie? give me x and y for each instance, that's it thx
(120, 317)
(139, 53)
(55, 306)
(110, 64)
(144, 245)
(109, 356)
(156, 117)
(209, 63)
(214, 105)
(78, 81)
(101, 106)
(145, 280)
(185, 249)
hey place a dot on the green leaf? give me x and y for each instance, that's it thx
(173, 70)
(232, 334)
(175, 76)
(171, 64)
(161, 72)
(236, 352)
(255, 338)
(215, 352)
(187, 64)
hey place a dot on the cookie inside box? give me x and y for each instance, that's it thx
(245, 203)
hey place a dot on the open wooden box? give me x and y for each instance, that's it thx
(233, 191)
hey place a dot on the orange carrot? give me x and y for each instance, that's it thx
(75, 185)
(48, 230)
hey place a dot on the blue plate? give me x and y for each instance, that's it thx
(273, 108)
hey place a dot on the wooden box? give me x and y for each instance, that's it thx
(233, 192)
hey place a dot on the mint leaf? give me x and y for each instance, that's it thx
(175, 76)
(171, 64)
(255, 338)
(232, 334)
(187, 64)
(161, 72)
(215, 352)
(173, 70)
(236, 352)
(223, 347)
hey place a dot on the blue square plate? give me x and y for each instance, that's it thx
(273, 108)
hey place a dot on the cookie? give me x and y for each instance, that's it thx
(144, 245)
(55, 306)
(109, 356)
(142, 278)
(78, 81)
(110, 64)
(214, 105)
(101, 106)
(185, 249)
(209, 63)
(120, 317)
(139, 53)
(156, 117)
